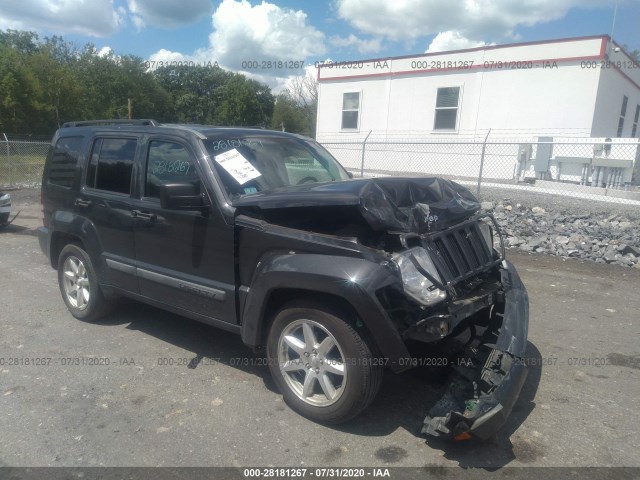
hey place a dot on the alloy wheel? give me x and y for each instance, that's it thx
(312, 363)
(76, 282)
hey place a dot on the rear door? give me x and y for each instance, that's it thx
(184, 258)
(105, 199)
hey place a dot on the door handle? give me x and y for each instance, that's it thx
(82, 203)
(144, 215)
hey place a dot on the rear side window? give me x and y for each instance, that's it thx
(111, 164)
(64, 158)
(168, 162)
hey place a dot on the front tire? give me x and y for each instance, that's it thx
(324, 368)
(79, 284)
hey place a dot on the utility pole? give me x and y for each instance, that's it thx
(613, 23)
(129, 105)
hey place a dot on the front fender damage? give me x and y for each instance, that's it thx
(488, 378)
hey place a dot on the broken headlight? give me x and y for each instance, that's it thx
(416, 284)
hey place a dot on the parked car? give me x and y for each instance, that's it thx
(5, 209)
(265, 234)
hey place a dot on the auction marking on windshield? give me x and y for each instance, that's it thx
(238, 167)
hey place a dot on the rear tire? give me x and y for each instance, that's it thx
(79, 285)
(324, 368)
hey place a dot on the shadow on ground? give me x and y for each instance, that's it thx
(402, 402)
(204, 341)
(16, 229)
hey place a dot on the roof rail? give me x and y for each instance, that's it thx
(188, 128)
(87, 123)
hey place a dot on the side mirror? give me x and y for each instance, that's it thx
(181, 196)
(350, 174)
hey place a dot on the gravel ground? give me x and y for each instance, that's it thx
(215, 404)
(560, 204)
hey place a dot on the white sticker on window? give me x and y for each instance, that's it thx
(237, 166)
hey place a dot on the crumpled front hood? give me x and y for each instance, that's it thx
(415, 204)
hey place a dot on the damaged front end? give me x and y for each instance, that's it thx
(463, 288)
(447, 288)
(490, 373)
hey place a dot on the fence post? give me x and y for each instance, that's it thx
(364, 143)
(9, 167)
(484, 147)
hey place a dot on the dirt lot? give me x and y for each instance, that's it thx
(171, 392)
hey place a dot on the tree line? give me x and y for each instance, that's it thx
(46, 82)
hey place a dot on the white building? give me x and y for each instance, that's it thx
(565, 89)
(584, 86)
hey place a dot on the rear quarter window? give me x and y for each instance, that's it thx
(63, 161)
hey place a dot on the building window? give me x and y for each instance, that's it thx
(350, 110)
(447, 101)
(623, 112)
(111, 165)
(635, 121)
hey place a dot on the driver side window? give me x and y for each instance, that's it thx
(168, 162)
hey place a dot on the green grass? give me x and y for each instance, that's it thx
(17, 170)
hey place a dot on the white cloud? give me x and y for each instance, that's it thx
(96, 18)
(264, 32)
(138, 22)
(167, 13)
(452, 40)
(163, 55)
(106, 52)
(412, 19)
(362, 46)
(246, 35)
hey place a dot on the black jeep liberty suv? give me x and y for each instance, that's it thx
(265, 234)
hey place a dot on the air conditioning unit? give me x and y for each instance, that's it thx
(602, 149)
(598, 150)
(525, 151)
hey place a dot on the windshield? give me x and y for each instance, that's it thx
(254, 163)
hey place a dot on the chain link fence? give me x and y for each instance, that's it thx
(589, 168)
(22, 160)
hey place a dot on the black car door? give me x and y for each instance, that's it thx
(184, 259)
(105, 199)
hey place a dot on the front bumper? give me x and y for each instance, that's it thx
(5, 208)
(489, 377)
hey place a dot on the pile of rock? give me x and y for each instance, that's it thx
(601, 238)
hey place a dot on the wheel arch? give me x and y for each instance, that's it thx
(345, 284)
(329, 302)
(66, 228)
(59, 240)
